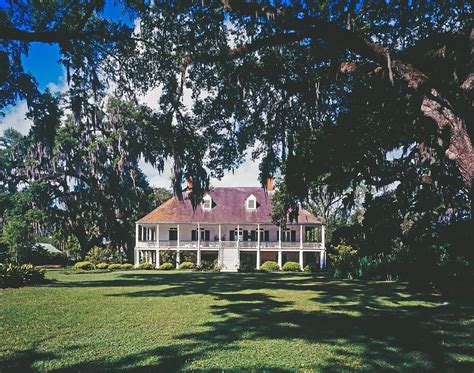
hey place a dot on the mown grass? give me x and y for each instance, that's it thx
(167, 321)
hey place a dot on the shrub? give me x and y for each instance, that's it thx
(166, 266)
(270, 266)
(115, 266)
(126, 266)
(186, 265)
(102, 266)
(85, 266)
(310, 268)
(344, 260)
(291, 267)
(99, 254)
(15, 275)
(146, 266)
(206, 265)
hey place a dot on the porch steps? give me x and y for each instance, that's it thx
(229, 259)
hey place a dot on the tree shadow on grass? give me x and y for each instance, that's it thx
(366, 326)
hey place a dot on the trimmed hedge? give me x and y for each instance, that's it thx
(187, 265)
(166, 266)
(115, 266)
(85, 266)
(126, 266)
(15, 275)
(270, 266)
(291, 267)
(146, 266)
(102, 266)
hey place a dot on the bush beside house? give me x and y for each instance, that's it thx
(17, 275)
(187, 265)
(166, 266)
(270, 266)
(291, 267)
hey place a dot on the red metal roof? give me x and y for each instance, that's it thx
(228, 207)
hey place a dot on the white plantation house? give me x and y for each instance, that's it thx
(230, 224)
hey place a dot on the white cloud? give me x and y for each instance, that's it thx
(16, 119)
(245, 175)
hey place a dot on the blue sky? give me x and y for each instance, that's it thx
(42, 62)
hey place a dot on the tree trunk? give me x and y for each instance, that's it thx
(460, 148)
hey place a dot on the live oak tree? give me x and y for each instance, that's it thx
(313, 88)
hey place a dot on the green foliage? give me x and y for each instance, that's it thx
(270, 266)
(146, 266)
(41, 256)
(100, 254)
(344, 260)
(291, 267)
(247, 262)
(168, 256)
(85, 266)
(115, 266)
(16, 275)
(310, 268)
(206, 265)
(102, 265)
(126, 266)
(188, 256)
(166, 266)
(187, 265)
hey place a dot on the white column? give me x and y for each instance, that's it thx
(321, 259)
(137, 232)
(280, 258)
(238, 232)
(301, 237)
(301, 260)
(177, 235)
(323, 236)
(157, 261)
(178, 259)
(136, 257)
(279, 237)
(198, 258)
(157, 229)
(258, 246)
(323, 243)
(220, 234)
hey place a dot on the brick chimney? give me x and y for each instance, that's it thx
(189, 183)
(269, 185)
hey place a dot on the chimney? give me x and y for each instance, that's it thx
(189, 183)
(269, 185)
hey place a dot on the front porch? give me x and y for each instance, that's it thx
(314, 257)
(229, 241)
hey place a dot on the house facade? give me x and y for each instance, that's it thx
(232, 225)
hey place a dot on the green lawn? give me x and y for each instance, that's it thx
(214, 321)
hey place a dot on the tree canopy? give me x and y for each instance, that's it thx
(325, 93)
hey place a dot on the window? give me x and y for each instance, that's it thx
(173, 234)
(251, 203)
(207, 202)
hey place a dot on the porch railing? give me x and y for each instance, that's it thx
(153, 245)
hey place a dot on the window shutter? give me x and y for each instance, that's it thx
(232, 235)
(293, 236)
(194, 235)
(207, 235)
(267, 236)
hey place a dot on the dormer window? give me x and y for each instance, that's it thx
(251, 203)
(207, 202)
